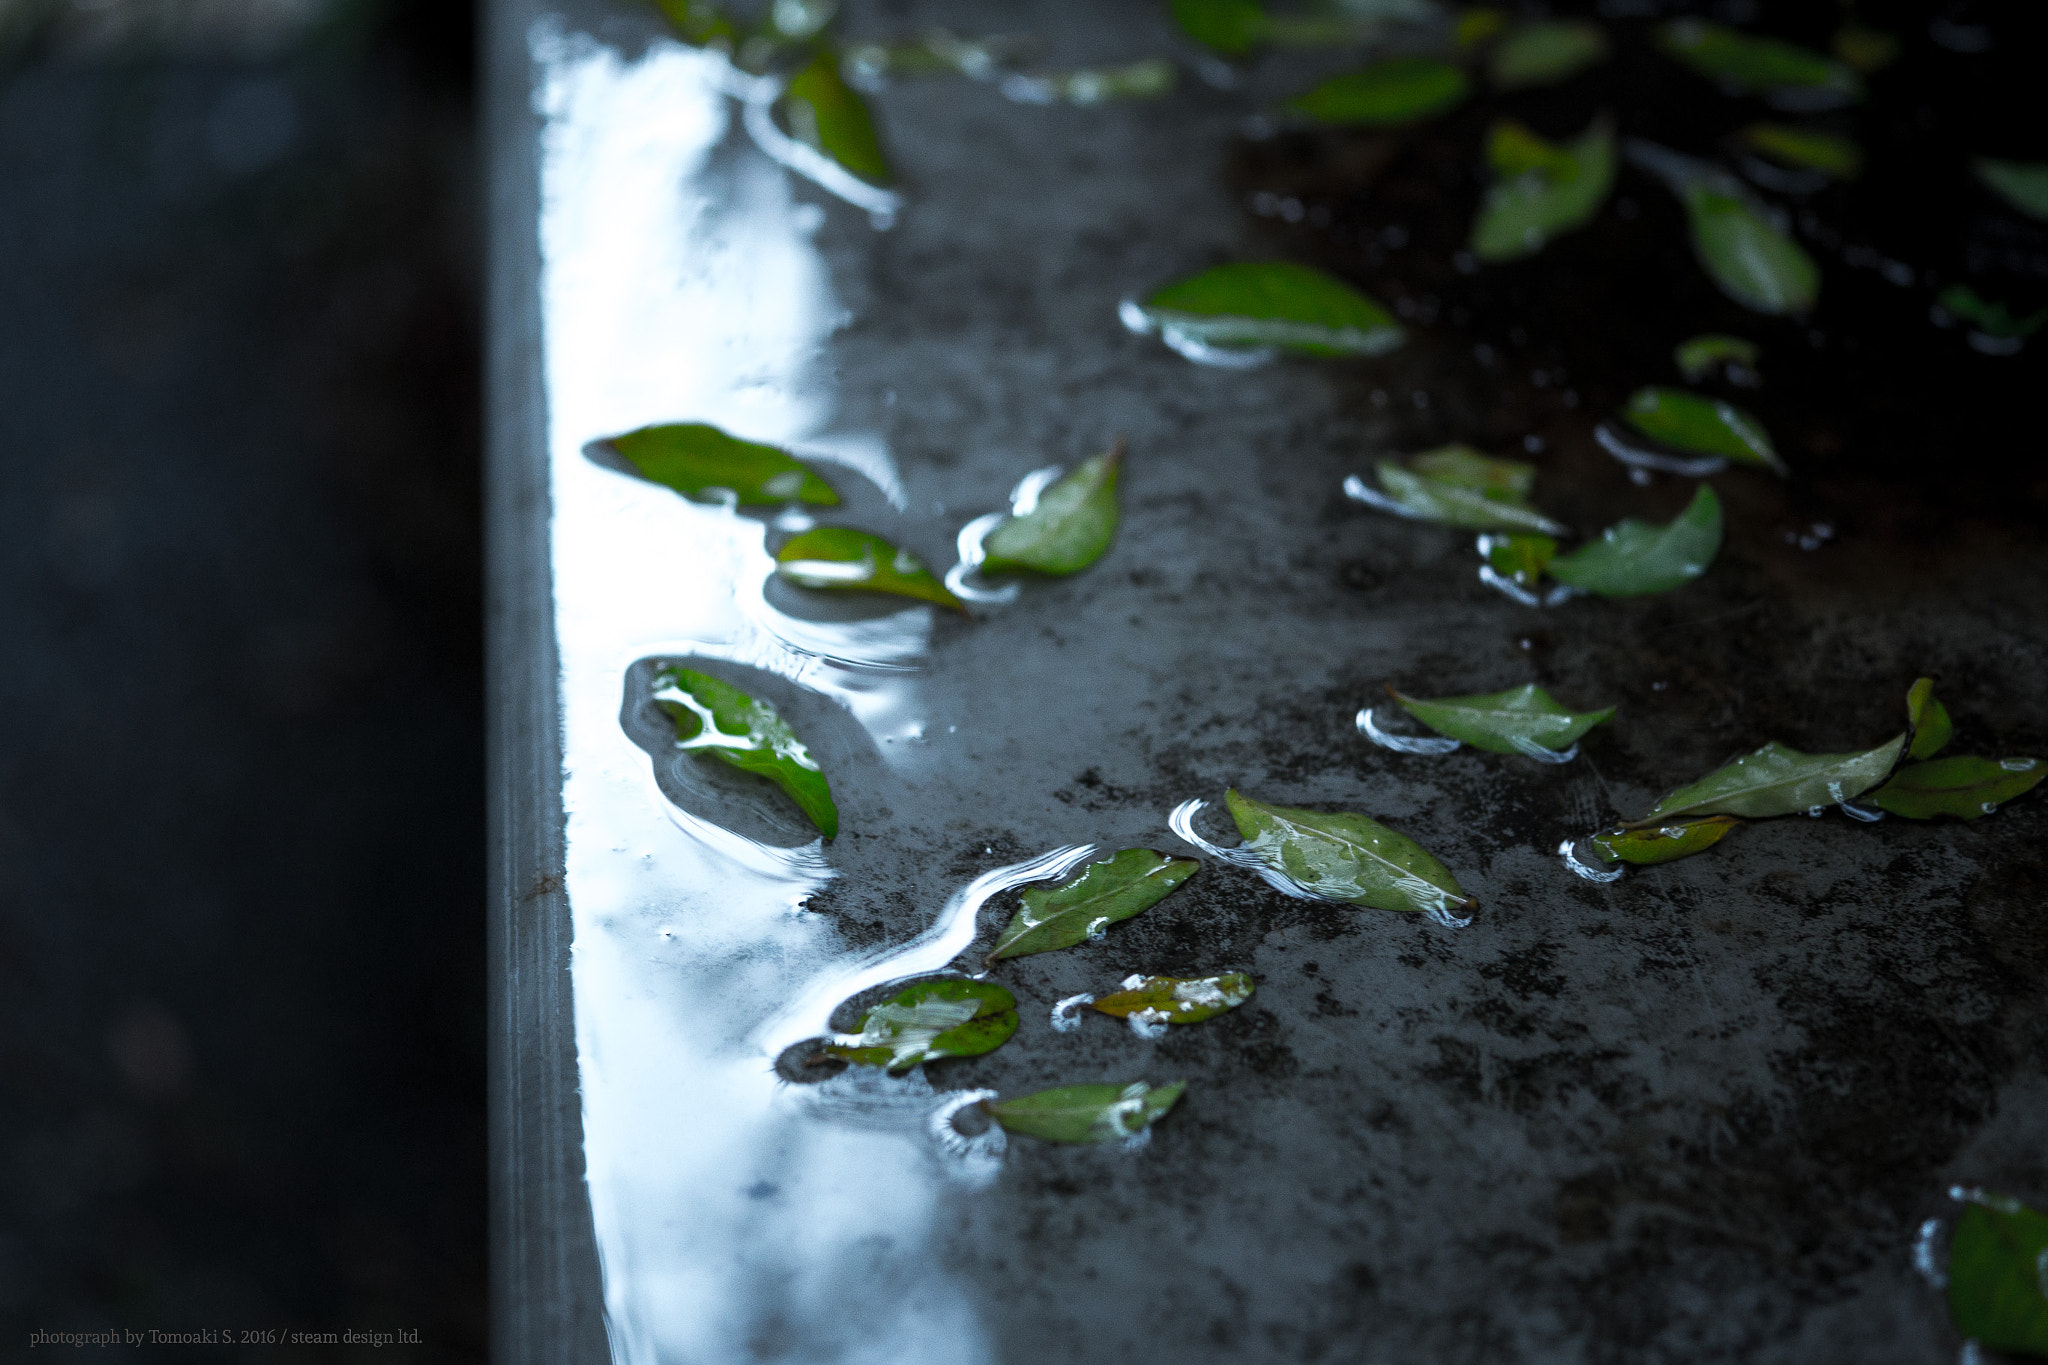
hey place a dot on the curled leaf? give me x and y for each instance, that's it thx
(933, 1019)
(1810, 149)
(1546, 52)
(1995, 1291)
(695, 458)
(1793, 76)
(1457, 486)
(1964, 786)
(1177, 999)
(1697, 357)
(2023, 184)
(1634, 558)
(1926, 720)
(1775, 780)
(836, 558)
(1087, 1113)
(1702, 426)
(1398, 90)
(1661, 843)
(1252, 307)
(1346, 857)
(1104, 893)
(1544, 189)
(1511, 722)
(826, 113)
(747, 733)
(1068, 528)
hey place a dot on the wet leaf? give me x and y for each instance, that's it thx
(1068, 530)
(1992, 319)
(1519, 558)
(695, 457)
(1398, 90)
(1964, 786)
(1995, 1291)
(1775, 780)
(933, 1019)
(1863, 49)
(1510, 722)
(1347, 857)
(1273, 303)
(2024, 184)
(1703, 426)
(1748, 257)
(1634, 558)
(1139, 80)
(1177, 999)
(1459, 486)
(749, 734)
(1227, 26)
(822, 110)
(836, 558)
(698, 24)
(1926, 720)
(1104, 893)
(1806, 148)
(1087, 1113)
(1747, 64)
(1545, 189)
(1547, 52)
(1661, 843)
(1697, 357)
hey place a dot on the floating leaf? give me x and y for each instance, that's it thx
(2023, 183)
(1256, 304)
(698, 24)
(1086, 1113)
(1105, 892)
(1545, 190)
(1398, 90)
(1992, 319)
(1864, 49)
(1227, 26)
(1698, 356)
(828, 114)
(834, 557)
(1965, 786)
(1927, 720)
(1736, 240)
(1519, 558)
(1546, 52)
(1347, 857)
(1995, 1292)
(1458, 486)
(1703, 426)
(1511, 722)
(1068, 529)
(1634, 558)
(1177, 999)
(1809, 149)
(1746, 64)
(747, 733)
(695, 457)
(1776, 780)
(1139, 80)
(933, 1019)
(1661, 843)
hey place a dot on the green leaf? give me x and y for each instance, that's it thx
(1995, 1292)
(1105, 892)
(747, 733)
(1510, 722)
(1748, 257)
(1546, 52)
(1966, 787)
(1458, 486)
(1347, 857)
(1806, 148)
(1519, 558)
(1069, 528)
(1546, 189)
(1992, 319)
(824, 111)
(1750, 65)
(1776, 780)
(836, 558)
(1661, 843)
(695, 457)
(1698, 356)
(1230, 27)
(1272, 303)
(1634, 558)
(1703, 426)
(1086, 1113)
(933, 1019)
(2023, 183)
(1398, 90)
(1926, 720)
(698, 24)
(1177, 999)
(1863, 49)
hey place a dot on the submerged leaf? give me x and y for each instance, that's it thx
(747, 733)
(1995, 1292)
(1927, 720)
(1750, 65)
(1634, 558)
(2024, 184)
(1227, 26)
(1520, 559)
(1661, 843)
(1703, 426)
(1545, 189)
(933, 1019)
(1458, 486)
(696, 457)
(1546, 52)
(1346, 857)
(1510, 722)
(824, 111)
(1104, 893)
(1177, 999)
(835, 557)
(1811, 149)
(1086, 1113)
(1697, 357)
(1964, 786)
(1775, 780)
(1069, 528)
(1253, 304)
(1398, 90)
(1748, 257)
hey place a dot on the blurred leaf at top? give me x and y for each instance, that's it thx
(1255, 304)
(954, 1017)
(1812, 149)
(1511, 722)
(1864, 49)
(1742, 249)
(1395, 91)
(1964, 786)
(1697, 357)
(1775, 780)
(1702, 426)
(839, 559)
(1992, 319)
(1230, 27)
(2024, 184)
(1104, 893)
(1176, 999)
(823, 111)
(1457, 486)
(1927, 720)
(747, 733)
(1793, 77)
(1542, 188)
(698, 24)
(1661, 843)
(1545, 52)
(1346, 857)
(1634, 558)
(1995, 1259)
(1086, 1113)
(696, 457)
(1068, 529)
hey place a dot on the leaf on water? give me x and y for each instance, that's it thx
(1748, 257)
(1661, 843)
(1697, 357)
(1805, 148)
(1230, 27)
(1546, 52)
(1086, 1113)
(837, 558)
(1545, 189)
(1253, 304)
(699, 24)
(1398, 90)
(933, 1019)
(1964, 786)
(822, 110)
(2024, 184)
(1105, 892)
(1458, 486)
(1068, 530)
(1995, 1292)
(1865, 50)
(747, 733)
(695, 457)
(1992, 319)
(1775, 780)
(1139, 80)
(1702, 426)
(1634, 558)
(1347, 857)
(1926, 720)
(1177, 999)
(1520, 558)
(1750, 65)
(1509, 722)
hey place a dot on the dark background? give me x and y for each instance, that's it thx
(241, 804)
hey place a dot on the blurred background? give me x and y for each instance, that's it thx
(241, 802)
